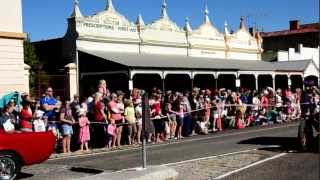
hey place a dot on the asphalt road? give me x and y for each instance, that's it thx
(191, 148)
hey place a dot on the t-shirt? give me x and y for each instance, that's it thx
(97, 111)
(48, 101)
(130, 115)
(67, 114)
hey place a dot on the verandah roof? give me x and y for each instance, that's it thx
(134, 60)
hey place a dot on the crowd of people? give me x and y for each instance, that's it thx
(112, 119)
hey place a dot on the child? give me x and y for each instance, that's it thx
(129, 114)
(39, 124)
(84, 133)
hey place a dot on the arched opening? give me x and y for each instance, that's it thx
(247, 81)
(281, 81)
(264, 81)
(204, 81)
(227, 81)
(313, 79)
(178, 82)
(296, 82)
(147, 81)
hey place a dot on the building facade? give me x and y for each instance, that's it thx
(14, 74)
(306, 34)
(138, 54)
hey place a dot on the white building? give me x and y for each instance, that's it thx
(302, 53)
(107, 45)
(13, 72)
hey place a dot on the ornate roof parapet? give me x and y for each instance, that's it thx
(226, 31)
(140, 21)
(242, 26)
(76, 10)
(187, 26)
(164, 13)
(207, 30)
(110, 6)
(206, 15)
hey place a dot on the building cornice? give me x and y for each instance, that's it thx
(13, 35)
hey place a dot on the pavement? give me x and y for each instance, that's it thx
(210, 156)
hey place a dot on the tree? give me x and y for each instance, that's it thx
(36, 71)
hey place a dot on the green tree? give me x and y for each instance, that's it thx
(38, 77)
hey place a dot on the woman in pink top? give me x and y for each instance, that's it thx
(84, 133)
(115, 117)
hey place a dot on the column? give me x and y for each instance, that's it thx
(273, 81)
(256, 77)
(71, 72)
(289, 81)
(26, 78)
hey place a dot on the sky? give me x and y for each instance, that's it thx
(47, 19)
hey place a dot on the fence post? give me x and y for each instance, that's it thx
(145, 127)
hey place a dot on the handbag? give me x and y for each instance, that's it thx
(8, 126)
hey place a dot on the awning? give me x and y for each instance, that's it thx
(134, 60)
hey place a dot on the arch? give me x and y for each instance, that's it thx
(204, 81)
(147, 81)
(227, 81)
(248, 81)
(177, 82)
(264, 81)
(296, 81)
(281, 81)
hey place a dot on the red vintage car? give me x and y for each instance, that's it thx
(21, 148)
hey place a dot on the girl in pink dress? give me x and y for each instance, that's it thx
(84, 134)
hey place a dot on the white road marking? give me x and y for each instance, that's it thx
(208, 157)
(175, 142)
(251, 165)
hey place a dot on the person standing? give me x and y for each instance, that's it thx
(67, 121)
(49, 104)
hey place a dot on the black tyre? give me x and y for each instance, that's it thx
(10, 166)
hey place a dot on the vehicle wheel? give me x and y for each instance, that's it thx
(9, 166)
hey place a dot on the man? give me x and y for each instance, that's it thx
(48, 104)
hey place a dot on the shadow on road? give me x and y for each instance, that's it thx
(280, 143)
(23, 175)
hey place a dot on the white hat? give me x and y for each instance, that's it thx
(39, 114)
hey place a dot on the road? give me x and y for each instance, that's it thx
(192, 148)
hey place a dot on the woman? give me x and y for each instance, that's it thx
(26, 118)
(67, 121)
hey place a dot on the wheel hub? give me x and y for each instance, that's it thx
(7, 168)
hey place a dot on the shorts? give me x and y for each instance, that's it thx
(54, 128)
(132, 129)
(119, 123)
(67, 130)
(179, 120)
(139, 121)
(172, 118)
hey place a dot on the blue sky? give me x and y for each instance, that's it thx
(47, 19)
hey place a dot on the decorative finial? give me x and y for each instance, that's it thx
(187, 26)
(76, 10)
(140, 21)
(242, 26)
(206, 14)
(110, 6)
(164, 13)
(226, 31)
